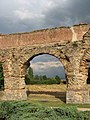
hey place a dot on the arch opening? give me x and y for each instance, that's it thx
(84, 68)
(45, 75)
(88, 77)
(1, 77)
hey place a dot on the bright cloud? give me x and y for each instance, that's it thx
(39, 66)
(48, 68)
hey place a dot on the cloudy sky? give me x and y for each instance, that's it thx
(28, 15)
(47, 65)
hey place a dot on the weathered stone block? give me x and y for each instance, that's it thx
(79, 96)
(14, 95)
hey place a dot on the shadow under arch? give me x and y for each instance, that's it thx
(59, 95)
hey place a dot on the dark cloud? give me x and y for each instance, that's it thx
(74, 12)
(80, 10)
(8, 25)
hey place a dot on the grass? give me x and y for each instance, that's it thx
(53, 87)
(47, 95)
(45, 102)
(51, 95)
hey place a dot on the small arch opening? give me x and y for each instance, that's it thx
(1, 77)
(45, 78)
(88, 79)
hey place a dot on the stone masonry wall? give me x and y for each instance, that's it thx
(72, 49)
(62, 34)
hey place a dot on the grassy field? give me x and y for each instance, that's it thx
(52, 88)
(45, 102)
(47, 95)
(50, 95)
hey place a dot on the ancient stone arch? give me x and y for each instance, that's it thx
(41, 51)
(80, 92)
(70, 45)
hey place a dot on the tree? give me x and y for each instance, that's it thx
(30, 73)
(1, 77)
(58, 79)
(29, 76)
(41, 78)
(36, 77)
(44, 77)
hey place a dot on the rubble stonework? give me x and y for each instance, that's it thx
(70, 45)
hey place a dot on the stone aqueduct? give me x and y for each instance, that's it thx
(71, 45)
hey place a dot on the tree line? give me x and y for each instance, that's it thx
(30, 78)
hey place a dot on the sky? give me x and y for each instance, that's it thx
(47, 65)
(29, 15)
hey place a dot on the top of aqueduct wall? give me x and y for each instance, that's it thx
(46, 36)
